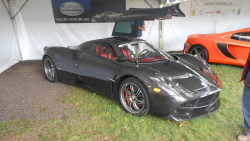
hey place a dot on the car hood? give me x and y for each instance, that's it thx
(188, 76)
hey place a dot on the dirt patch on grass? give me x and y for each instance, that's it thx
(26, 94)
(31, 136)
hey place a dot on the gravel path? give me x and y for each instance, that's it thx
(26, 94)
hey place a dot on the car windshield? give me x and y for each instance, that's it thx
(143, 52)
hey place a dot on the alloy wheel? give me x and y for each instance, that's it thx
(132, 98)
(199, 51)
(49, 69)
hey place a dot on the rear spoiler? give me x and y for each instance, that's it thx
(151, 13)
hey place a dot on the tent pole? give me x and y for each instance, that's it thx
(162, 3)
(6, 8)
(161, 34)
(148, 4)
(20, 9)
(13, 20)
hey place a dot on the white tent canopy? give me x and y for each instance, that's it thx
(9, 53)
(35, 28)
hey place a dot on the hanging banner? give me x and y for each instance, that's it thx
(87, 11)
(215, 9)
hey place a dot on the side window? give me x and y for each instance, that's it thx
(104, 50)
(242, 36)
(137, 50)
(126, 51)
(128, 28)
(124, 27)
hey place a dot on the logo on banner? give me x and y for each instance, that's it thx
(71, 8)
(87, 11)
(215, 9)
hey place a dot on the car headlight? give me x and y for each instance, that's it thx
(209, 71)
(207, 66)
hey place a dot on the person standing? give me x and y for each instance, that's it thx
(141, 27)
(246, 100)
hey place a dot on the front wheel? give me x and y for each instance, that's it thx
(199, 50)
(49, 69)
(133, 97)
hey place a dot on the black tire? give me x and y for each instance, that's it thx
(133, 97)
(50, 70)
(200, 51)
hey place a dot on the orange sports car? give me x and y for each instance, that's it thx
(227, 48)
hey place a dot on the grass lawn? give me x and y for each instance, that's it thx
(99, 118)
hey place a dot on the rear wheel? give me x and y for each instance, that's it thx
(49, 69)
(199, 50)
(133, 97)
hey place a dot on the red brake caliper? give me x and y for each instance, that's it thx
(127, 95)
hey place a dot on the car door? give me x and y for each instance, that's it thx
(99, 68)
(127, 23)
(65, 59)
(239, 45)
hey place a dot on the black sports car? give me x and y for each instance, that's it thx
(143, 78)
(177, 86)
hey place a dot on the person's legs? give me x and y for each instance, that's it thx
(246, 108)
(246, 114)
(247, 127)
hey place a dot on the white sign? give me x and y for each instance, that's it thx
(215, 9)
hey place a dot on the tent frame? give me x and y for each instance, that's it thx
(8, 7)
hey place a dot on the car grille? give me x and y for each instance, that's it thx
(198, 107)
(204, 101)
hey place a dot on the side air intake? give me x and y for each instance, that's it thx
(224, 49)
